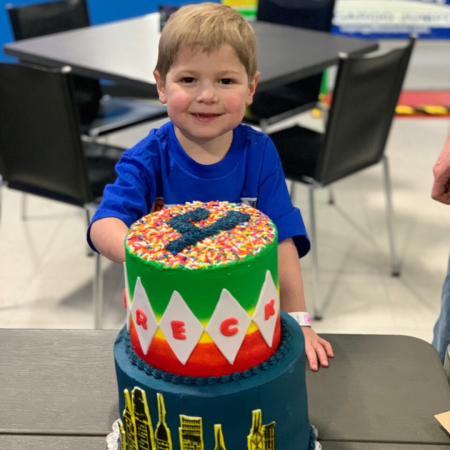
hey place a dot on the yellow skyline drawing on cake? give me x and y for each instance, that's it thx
(129, 423)
(261, 437)
(163, 438)
(143, 421)
(218, 438)
(137, 433)
(191, 433)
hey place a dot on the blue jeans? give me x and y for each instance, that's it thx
(441, 332)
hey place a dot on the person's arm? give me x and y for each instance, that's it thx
(124, 201)
(293, 299)
(108, 236)
(441, 171)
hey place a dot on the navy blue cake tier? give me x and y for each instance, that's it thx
(265, 407)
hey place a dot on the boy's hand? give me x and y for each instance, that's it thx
(317, 350)
(441, 171)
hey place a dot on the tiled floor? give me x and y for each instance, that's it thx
(46, 277)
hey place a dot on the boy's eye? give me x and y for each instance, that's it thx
(187, 80)
(227, 81)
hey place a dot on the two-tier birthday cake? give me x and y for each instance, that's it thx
(207, 360)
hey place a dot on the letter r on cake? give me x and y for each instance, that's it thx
(141, 318)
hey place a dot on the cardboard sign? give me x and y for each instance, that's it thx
(444, 420)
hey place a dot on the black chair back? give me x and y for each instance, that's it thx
(40, 143)
(311, 14)
(47, 18)
(41, 19)
(363, 106)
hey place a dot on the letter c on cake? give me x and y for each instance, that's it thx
(226, 327)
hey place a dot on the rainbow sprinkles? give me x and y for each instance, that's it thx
(152, 237)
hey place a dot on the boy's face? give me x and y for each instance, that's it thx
(206, 94)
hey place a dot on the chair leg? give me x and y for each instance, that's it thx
(24, 206)
(315, 260)
(264, 125)
(98, 293)
(395, 266)
(292, 191)
(330, 195)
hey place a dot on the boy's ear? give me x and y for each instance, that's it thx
(160, 87)
(252, 88)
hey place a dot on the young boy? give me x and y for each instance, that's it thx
(206, 74)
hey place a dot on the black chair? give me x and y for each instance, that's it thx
(98, 114)
(279, 103)
(41, 149)
(362, 109)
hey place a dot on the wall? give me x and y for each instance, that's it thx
(381, 19)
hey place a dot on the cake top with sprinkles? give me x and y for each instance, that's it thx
(200, 235)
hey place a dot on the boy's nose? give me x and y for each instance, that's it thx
(207, 94)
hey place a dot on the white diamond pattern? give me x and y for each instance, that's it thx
(228, 309)
(267, 309)
(180, 327)
(143, 317)
(227, 326)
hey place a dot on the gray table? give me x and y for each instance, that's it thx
(17, 442)
(380, 389)
(380, 393)
(98, 443)
(126, 51)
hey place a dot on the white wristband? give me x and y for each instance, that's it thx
(302, 318)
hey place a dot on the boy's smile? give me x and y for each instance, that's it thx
(205, 117)
(206, 96)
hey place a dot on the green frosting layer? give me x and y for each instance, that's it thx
(201, 288)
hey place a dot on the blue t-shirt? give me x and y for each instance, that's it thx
(157, 171)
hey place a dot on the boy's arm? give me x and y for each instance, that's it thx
(293, 299)
(108, 236)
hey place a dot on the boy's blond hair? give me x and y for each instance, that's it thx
(206, 27)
